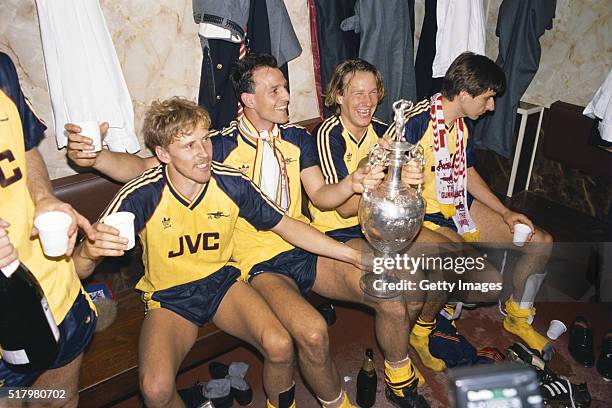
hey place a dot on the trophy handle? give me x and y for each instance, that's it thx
(417, 154)
(379, 156)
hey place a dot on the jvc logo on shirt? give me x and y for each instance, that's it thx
(13, 173)
(204, 241)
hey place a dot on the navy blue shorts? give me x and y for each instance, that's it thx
(439, 220)
(297, 264)
(196, 301)
(346, 234)
(76, 331)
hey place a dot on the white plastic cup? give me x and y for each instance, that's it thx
(53, 232)
(124, 222)
(556, 329)
(521, 233)
(91, 129)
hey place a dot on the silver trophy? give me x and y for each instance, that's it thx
(391, 215)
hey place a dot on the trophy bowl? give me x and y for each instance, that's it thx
(391, 219)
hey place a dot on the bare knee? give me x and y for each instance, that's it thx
(277, 346)
(157, 388)
(313, 341)
(395, 310)
(414, 309)
(541, 243)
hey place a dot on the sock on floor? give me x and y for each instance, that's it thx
(419, 340)
(451, 311)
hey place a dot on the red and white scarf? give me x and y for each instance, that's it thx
(451, 177)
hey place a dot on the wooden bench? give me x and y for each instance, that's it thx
(109, 372)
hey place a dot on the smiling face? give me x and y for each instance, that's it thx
(475, 106)
(188, 159)
(358, 101)
(268, 105)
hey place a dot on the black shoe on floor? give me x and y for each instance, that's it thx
(581, 342)
(219, 392)
(411, 398)
(193, 397)
(520, 353)
(240, 390)
(217, 370)
(557, 391)
(604, 362)
(242, 397)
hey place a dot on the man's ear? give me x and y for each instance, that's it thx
(162, 154)
(463, 95)
(339, 98)
(248, 100)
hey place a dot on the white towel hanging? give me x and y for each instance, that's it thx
(83, 71)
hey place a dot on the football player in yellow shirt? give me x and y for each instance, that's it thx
(460, 205)
(25, 192)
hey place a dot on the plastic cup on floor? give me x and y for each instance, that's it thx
(556, 329)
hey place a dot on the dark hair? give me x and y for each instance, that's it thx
(242, 72)
(474, 74)
(343, 73)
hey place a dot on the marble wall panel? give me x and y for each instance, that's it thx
(303, 104)
(576, 52)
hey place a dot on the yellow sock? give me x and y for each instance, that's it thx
(419, 376)
(399, 377)
(449, 312)
(419, 340)
(516, 322)
(270, 405)
(286, 399)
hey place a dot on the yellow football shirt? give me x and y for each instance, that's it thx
(187, 240)
(236, 149)
(21, 130)
(339, 154)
